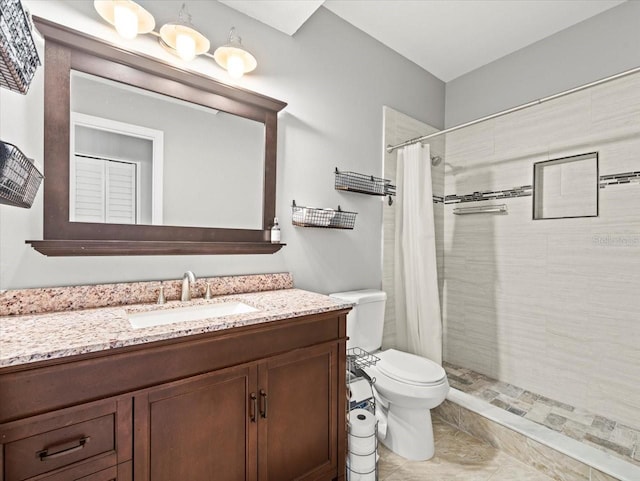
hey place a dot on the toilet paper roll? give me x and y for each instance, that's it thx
(362, 477)
(362, 441)
(382, 423)
(362, 423)
(351, 476)
(362, 446)
(361, 466)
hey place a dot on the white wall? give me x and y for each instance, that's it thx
(335, 79)
(593, 49)
(549, 305)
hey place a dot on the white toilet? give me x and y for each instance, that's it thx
(406, 386)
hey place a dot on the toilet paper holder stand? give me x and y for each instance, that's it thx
(358, 462)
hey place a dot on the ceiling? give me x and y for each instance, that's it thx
(445, 37)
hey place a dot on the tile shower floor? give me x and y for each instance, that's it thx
(458, 457)
(605, 434)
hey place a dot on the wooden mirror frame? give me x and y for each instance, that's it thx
(66, 50)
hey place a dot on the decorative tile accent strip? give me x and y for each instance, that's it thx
(521, 191)
(605, 434)
(623, 178)
(527, 190)
(53, 299)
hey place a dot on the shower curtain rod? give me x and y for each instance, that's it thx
(391, 148)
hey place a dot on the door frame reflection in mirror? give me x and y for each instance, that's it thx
(66, 50)
(156, 137)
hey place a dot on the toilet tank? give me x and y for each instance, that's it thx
(365, 321)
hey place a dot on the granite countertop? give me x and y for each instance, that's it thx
(38, 337)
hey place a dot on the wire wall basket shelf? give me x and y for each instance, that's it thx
(18, 54)
(326, 218)
(363, 184)
(19, 178)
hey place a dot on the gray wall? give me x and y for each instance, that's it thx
(336, 80)
(593, 49)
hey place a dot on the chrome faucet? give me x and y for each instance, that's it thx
(188, 279)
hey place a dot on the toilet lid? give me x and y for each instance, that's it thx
(409, 368)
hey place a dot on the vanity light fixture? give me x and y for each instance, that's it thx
(182, 38)
(234, 58)
(128, 18)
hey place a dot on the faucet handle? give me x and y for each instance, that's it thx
(208, 294)
(161, 298)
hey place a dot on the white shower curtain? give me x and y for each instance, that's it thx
(418, 318)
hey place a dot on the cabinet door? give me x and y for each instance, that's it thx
(198, 429)
(298, 409)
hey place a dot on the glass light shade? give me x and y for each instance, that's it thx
(125, 20)
(185, 46)
(234, 58)
(128, 18)
(184, 40)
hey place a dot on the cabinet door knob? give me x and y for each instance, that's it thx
(263, 403)
(62, 450)
(254, 406)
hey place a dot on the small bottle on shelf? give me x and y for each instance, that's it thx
(275, 232)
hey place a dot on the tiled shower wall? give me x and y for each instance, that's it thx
(399, 127)
(549, 305)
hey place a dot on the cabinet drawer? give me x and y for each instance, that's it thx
(110, 474)
(121, 472)
(47, 451)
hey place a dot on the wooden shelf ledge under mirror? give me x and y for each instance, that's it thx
(148, 248)
(216, 197)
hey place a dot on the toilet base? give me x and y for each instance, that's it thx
(409, 433)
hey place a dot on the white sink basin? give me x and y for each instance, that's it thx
(161, 317)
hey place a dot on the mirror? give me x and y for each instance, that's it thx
(138, 157)
(144, 158)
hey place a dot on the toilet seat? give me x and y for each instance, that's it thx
(410, 369)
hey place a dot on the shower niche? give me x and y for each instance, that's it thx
(566, 187)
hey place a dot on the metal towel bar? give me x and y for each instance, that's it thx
(481, 209)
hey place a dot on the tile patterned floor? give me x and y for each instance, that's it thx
(607, 435)
(459, 457)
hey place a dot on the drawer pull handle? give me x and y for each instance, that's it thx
(61, 450)
(263, 404)
(254, 407)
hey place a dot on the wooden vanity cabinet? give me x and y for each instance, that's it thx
(197, 429)
(258, 403)
(84, 442)
(281, 412)
(300, 410)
